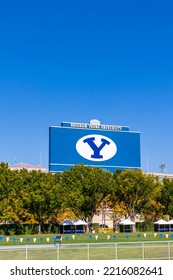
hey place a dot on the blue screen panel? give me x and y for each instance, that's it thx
(109, 150)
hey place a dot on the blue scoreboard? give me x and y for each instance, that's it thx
(94, 144)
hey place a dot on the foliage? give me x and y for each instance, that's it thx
(85, 188)
(166, 197)
(133, 191)
(40, 199)
(66, 214)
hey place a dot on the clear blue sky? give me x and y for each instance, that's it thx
(78, 60)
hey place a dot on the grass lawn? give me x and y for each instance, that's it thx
(103, 246)
(84, 238)
(109, 251)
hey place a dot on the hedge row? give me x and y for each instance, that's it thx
(22, 229)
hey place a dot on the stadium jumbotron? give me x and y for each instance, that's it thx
(110, 147)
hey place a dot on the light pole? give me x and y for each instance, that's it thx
(163, 167)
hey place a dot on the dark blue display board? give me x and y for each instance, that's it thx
(107, 147)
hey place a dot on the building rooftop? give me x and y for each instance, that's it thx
(22, 165)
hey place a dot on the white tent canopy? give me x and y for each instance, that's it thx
(161, 222)
(127, 226)
(127, 222)
(80, 222)
(161, 225)
(67, 223)
(77, 226)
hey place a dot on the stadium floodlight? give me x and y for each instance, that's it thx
(163, 167)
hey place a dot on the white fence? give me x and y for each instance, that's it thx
(158, 250)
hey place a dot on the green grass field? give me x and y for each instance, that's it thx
(103, 246)
(121, 251)
(84, 238)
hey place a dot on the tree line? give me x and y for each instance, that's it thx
(36, 197)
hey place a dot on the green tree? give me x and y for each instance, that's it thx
(166, 196)
(85, 187)
(8, 187)
(41, 196)
(133, 191)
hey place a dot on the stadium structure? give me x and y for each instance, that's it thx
(28, 167)
(110, 147)
(93, 144)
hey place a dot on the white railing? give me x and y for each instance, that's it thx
(158, 250)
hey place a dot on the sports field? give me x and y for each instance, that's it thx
(85, 238)
(88, 247)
